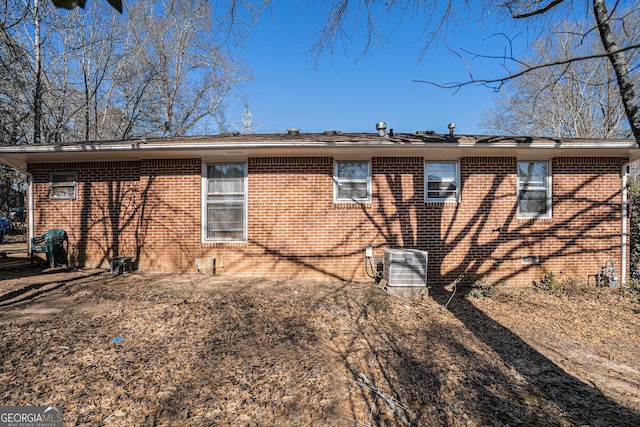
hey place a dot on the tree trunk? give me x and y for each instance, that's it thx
(37, 93)
(620, 66)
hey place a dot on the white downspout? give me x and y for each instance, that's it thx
(623, 235)
(30, 209)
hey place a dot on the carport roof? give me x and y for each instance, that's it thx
(330, 143)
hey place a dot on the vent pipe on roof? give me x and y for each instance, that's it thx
(293, 131)
(451, 127)
(381, 127)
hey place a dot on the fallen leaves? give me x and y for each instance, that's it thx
(194, 350)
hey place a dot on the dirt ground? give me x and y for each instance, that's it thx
(191, 350)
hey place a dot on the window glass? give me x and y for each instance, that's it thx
(441, 181)
(352, 170)
(225, 203)
(63, 185)
(533, 189)
(352, 181)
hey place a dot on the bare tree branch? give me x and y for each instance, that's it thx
(526, 70)
(620, 66)
(539, 11)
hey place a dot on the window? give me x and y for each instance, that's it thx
(225, 201)
(534, 189)
(352, 181)
(63, 185)
(441, 181)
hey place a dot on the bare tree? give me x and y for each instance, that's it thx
(628, 88)
(94, 47)
(365, 20)
(150, 74)
(37, 42)
(193, 74)
(30, 51)
(575, 99)
(95, 74)
(40, 31)
(14, 91)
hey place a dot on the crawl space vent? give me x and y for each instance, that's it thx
(405, 267)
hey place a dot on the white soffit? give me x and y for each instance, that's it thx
(364, 145)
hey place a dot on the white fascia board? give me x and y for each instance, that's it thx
(19, 156)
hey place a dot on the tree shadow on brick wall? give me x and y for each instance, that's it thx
(571, 241)
(310, 262)
(314, 240)
(108, 221)
(492, 240)
(581, 403)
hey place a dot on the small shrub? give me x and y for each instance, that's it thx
(483, 288)
(550, 284)
(563, 284)
(576, 285)
(634, 286)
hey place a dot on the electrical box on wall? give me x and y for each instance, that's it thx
(368, 252)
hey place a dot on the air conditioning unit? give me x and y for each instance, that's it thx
(405, 267)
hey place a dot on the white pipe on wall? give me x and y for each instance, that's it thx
(623, 234)
(30, 209)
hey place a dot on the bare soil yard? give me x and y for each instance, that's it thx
(192, 350)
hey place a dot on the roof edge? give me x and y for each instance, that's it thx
(18, 156)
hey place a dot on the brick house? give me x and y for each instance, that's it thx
(307, 205)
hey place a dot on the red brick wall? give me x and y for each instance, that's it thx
(103, 220)
(295, 228)
(293, 220)
(170, 214)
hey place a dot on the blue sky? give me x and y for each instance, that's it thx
(343, 92)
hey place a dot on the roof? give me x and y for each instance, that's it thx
(329, 143)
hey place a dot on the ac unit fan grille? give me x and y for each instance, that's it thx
(405, 267)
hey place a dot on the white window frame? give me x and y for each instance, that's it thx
(337, 181)
(547, 187)
(205, 203)
(56, 183)
(456, 181)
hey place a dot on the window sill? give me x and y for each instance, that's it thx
(533, 219)
(434, 204)
(224, 242)
(346, 205)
